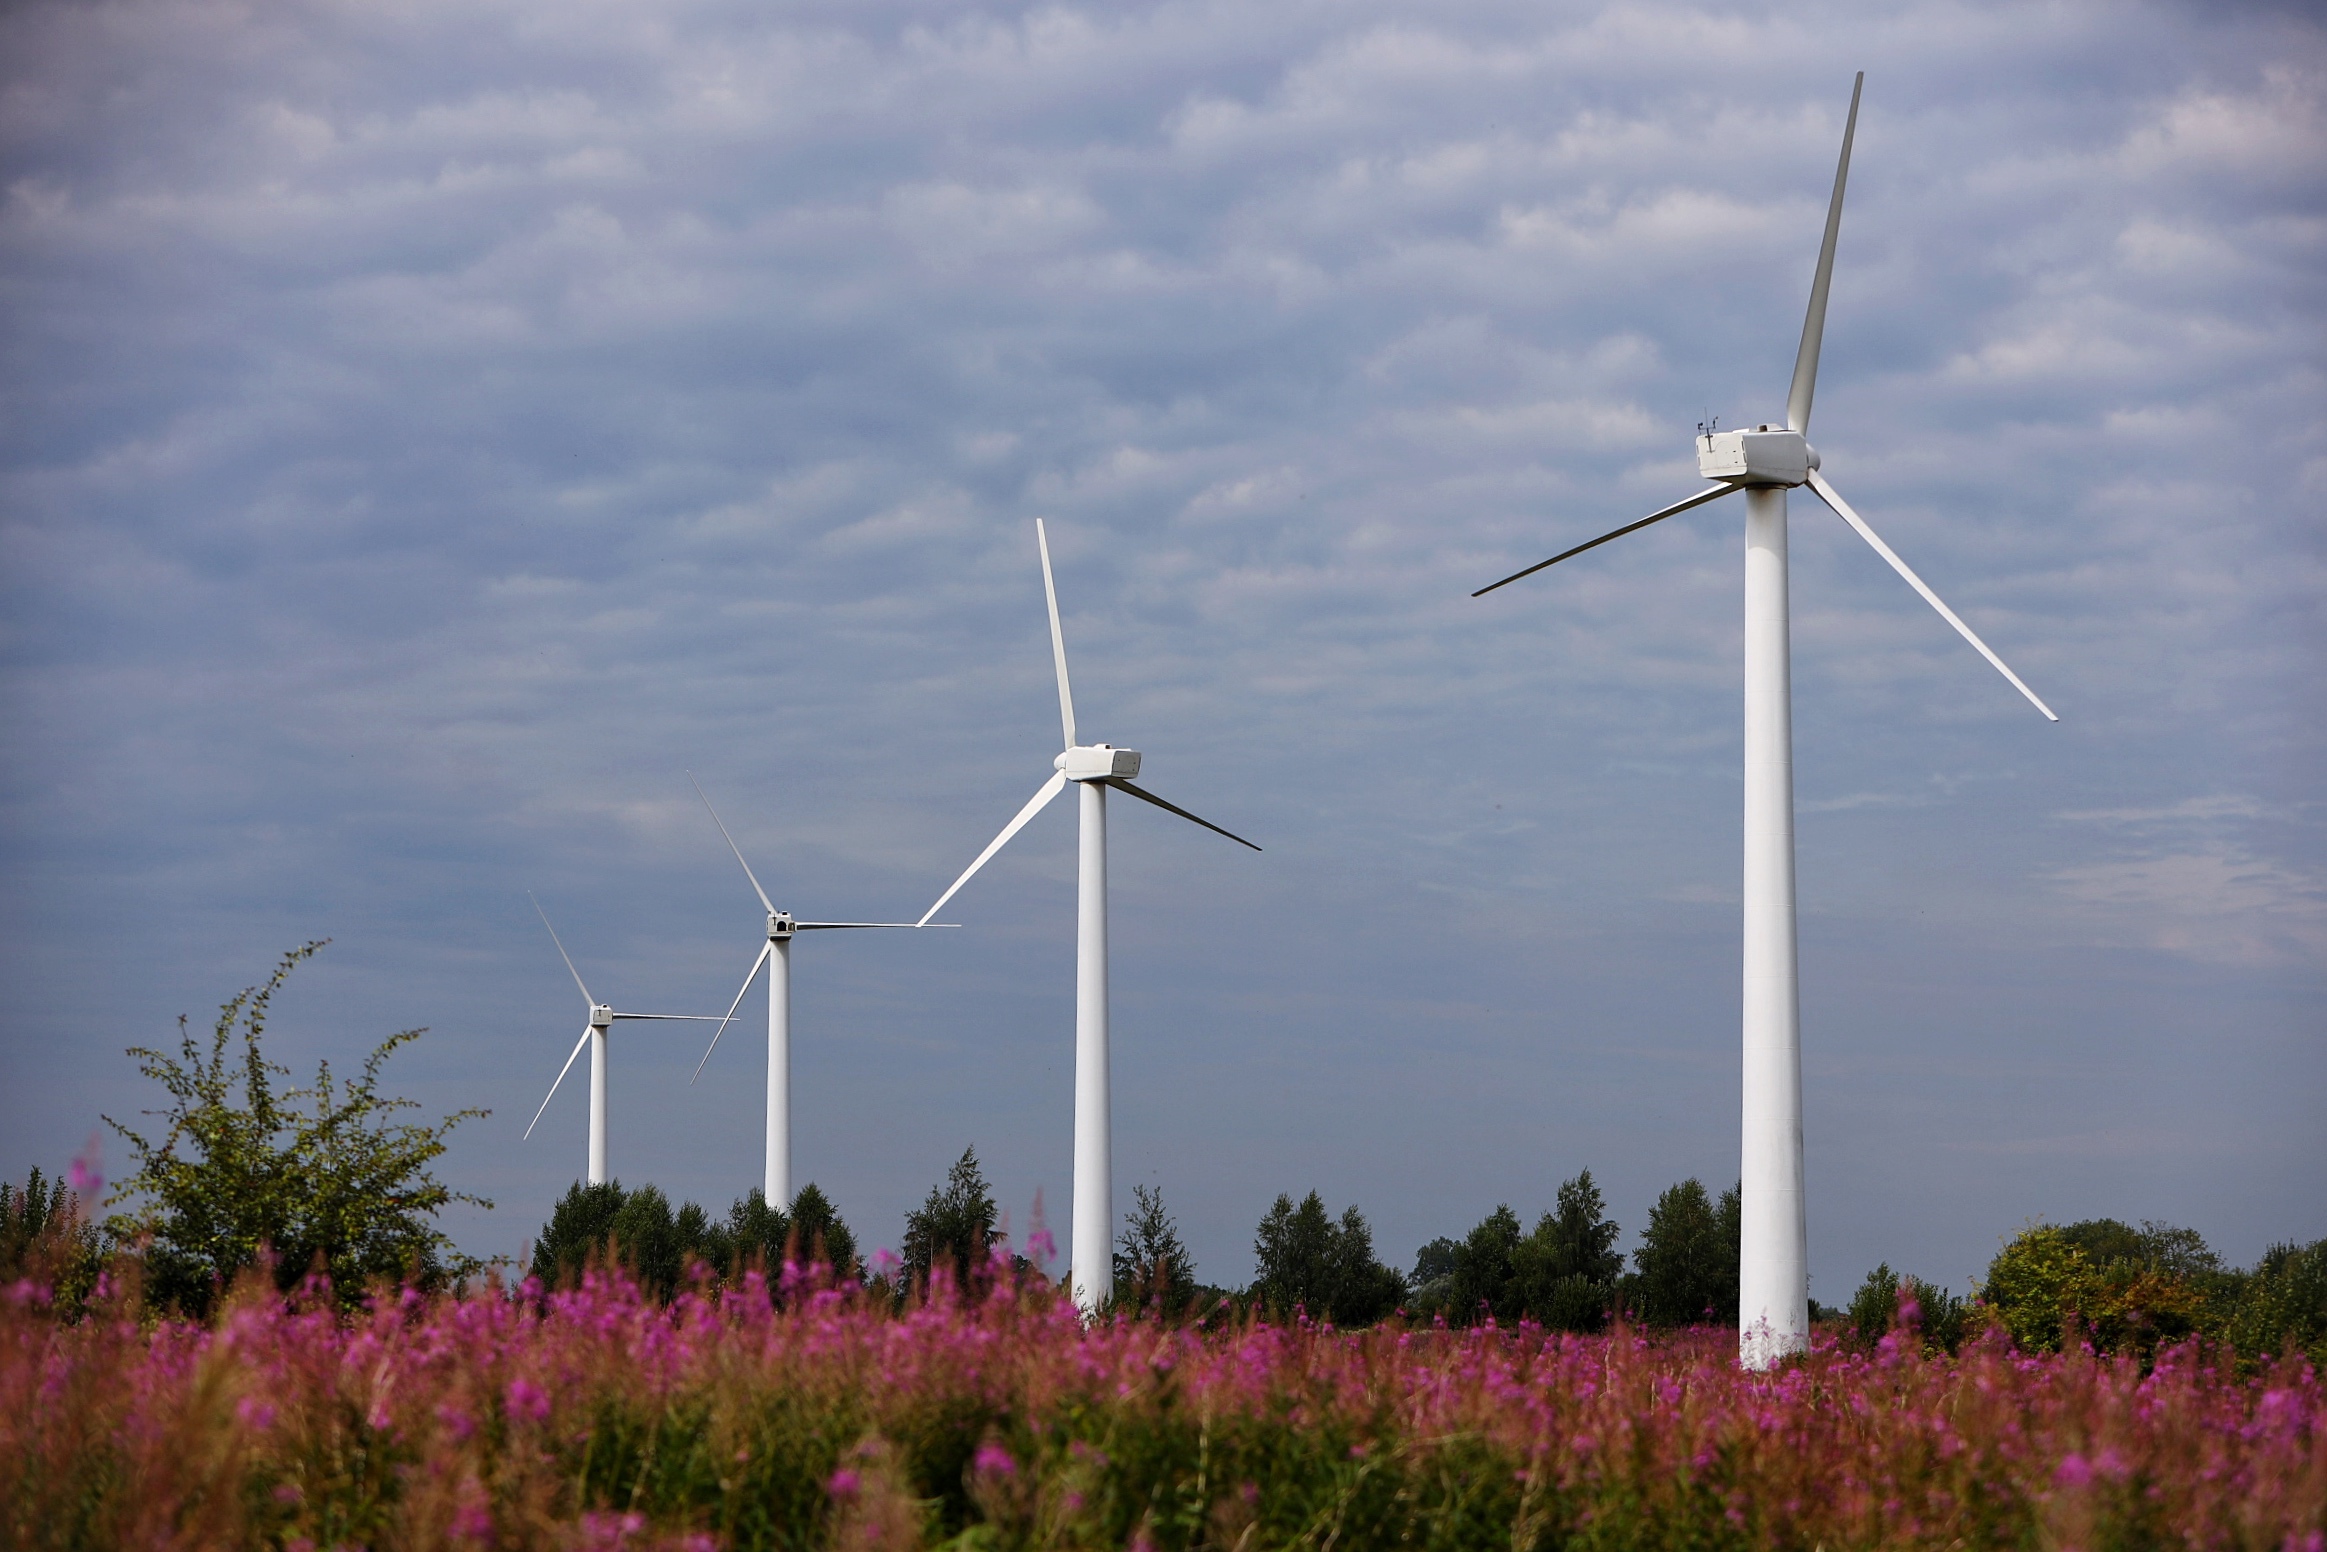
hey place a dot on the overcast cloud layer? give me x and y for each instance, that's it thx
(432, 429)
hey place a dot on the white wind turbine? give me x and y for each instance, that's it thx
(602, 1020)
(1774, 1279)
(1095, 768)
(776, 954)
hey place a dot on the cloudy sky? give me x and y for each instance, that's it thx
(433, 429)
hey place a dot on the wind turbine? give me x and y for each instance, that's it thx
(602, 1019)
(1095, 768)
(776, 954)
(1765, 462)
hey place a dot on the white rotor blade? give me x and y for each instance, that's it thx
(1814, 325)
(1832, 498)
(750, 976)
(671, 1018)
(1697, 500)
(562, 954)
(833, 926)
(1058, 642)
(731, 846)
(1034, 805)
(553, 1088)
(1146, 796)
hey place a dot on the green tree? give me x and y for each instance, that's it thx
(823, 1236)
(579, 1230)
(1307, 1260)
(605, 1224)
(953, 1228)
(1567, 1269)
(318, 1175)
(1152, 1267)
(1485, 1283)
(1685, 1270)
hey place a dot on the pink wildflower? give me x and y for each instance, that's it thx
(993, 1460)
(2074, 1471)
(843, 1483)
(527, 1402)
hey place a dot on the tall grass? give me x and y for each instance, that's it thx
(823, 1417)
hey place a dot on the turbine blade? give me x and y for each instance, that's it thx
(1058, 640)
(1034, 805)
(835, 926)
(553, 1088)
(672, 1018)
(562, 954)
(1814, 325)
(1146, 796)
(1833, 498)
(731, 846)
(750, 976)
(1697, 500)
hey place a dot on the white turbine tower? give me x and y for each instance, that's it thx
(602, 1020)
(1765, 462)
(1094, 767)
(776, 954)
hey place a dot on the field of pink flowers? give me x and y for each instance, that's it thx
(822, 1418)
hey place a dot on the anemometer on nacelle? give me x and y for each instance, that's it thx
(1766, 455)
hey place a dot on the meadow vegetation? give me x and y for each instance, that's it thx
(274, 1346)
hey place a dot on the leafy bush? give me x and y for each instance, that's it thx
(2105, 1282)
(1888, 1302)
(47, 1242)
(2283, 1304)
(317, 1177)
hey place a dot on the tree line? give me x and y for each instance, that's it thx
(246, 1171)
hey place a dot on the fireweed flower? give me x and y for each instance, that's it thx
(836, 1411)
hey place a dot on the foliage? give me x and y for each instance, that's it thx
(952, 1229)
(1888, 1301)
(2134, 1290)
(1153, 1269)
(638, 1230)
(2101, 1281)
(1563, 1274)
(1686, 1266)
(1308, 1261)
(2283, 1304)
(601, 1418)
(317, 1176)
(46, 1240)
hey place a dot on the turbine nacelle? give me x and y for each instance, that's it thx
(1765, 455)
(1097, 762)
(780, 923)
(601, 1016)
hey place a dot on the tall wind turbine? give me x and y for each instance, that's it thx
(1095, 768)
(1765, 462)
(602, 1019)
(776, 954)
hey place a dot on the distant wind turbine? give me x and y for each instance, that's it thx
(776, 954)
(602, 1019)
(1774, 1276)
(1094, 767)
